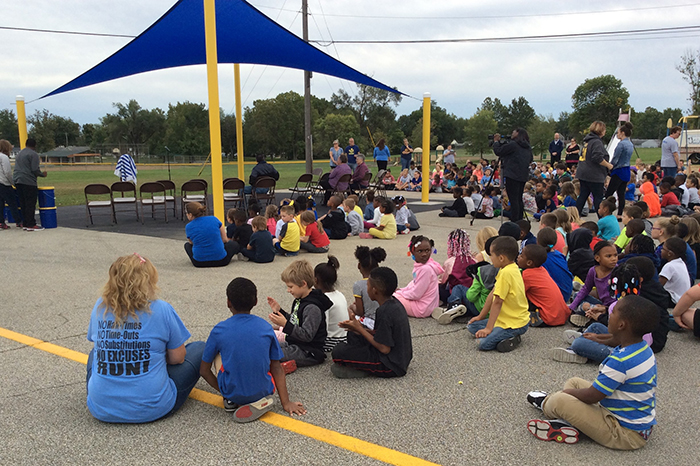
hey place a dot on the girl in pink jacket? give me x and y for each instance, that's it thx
(421, 295)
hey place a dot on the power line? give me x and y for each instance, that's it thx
(75, 33)
(637, 32)
(508, 16)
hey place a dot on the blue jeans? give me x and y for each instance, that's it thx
(249, 190)
(590, 300)
(184, 375)
(590, 349)
(670, 171)
(497, 335)
(405, 163)
(353, 165)
(458, 294)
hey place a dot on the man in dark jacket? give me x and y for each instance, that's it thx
(555, 148)
(261, 169)
(26, 172)
(516, 157)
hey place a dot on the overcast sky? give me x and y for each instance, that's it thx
(459, 76)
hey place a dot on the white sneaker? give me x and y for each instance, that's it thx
(567, 355)
(570, 336)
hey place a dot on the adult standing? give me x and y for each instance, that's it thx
(352, 151)
(593, 167)
(670, 158)
(448, 156)
(262, 168)
(516, 156)
(358, 175)
(620, 173)
(139, 369)
(7, 194)
(406, 154)
(27, 169)
(382, 155)
(207, 244)
(573, 152)
(333, 181)
(335, 153)
(555, 149)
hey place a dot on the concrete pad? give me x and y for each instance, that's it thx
(51, 279)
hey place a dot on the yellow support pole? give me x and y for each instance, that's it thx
(239, 120)
(21, 121)
(217, 180)
(425, 193)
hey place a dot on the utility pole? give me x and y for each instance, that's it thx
(307, 93)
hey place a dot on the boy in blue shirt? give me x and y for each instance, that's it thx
(608, 228)
(618, 410)
(246, 357)
(260, 248)
(556, 263)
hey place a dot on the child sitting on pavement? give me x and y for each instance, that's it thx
(618, 409)
(315, 239)
(305, 325)
(287, 240)
(242, 349)
(421, 296)
(586, 306)
(260, 248)
(506, 306)
(455, 279)
(363, 306)
(547, 309)
(352, 218)
(334, 221)
(387, 223)
(385, 351)
(556, 263)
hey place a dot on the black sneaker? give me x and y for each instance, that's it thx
(230, 406)
(536, 319)
(506, 346)
(536, 398)
(556, 430)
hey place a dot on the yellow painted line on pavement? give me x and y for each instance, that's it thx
(346, 442)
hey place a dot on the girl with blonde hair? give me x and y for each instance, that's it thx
(481, 238)
(139, 369)
(574, 218)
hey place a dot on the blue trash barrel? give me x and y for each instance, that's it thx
(47, 207)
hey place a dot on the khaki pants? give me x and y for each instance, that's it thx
(592, 420)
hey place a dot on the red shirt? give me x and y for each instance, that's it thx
(669, 199)
(538, 289)
(318, 238)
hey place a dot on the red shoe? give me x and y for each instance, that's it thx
(4, 226)
(554, 430)
(253, 411)
(289, 366)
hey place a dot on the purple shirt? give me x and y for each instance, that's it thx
(600, 284)
(339, 171)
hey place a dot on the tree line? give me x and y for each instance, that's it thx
(276, 126)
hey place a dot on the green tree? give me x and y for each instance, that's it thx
(51, 131)
(333, 126)
(541, 130)
(500, 113)
(228, 134)
(372, 108)
(416, 136)
(598, 98)
(519, 115)
(134, 127)
(690, 69)
(478, 128)
(563, 125)
(187, 129)
(275, 126)
(447, 126)
(649, 124)
(8, 127)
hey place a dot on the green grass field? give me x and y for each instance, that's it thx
(69, 181)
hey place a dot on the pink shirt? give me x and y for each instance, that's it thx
(272, 226)
(421, 296)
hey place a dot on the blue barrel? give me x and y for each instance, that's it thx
(46, 196)
(47, 207)
(8, 212)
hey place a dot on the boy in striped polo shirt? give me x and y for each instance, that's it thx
(618, 410)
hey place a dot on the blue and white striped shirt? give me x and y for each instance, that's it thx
(126, 168)
(628, 379)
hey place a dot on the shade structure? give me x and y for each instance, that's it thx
(244, 35)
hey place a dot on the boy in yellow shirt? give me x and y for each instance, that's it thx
(287, 244)
(506, 306)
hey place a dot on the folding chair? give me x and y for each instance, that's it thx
(170, 194)
(98, 190)
(156, 196)
(124, 188)
(343, 179)
(303, 185)
(264, 182)
(192, 191)
(233, 192)
(318, 188)
(363, 190)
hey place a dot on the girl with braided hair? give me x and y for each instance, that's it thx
(363, 306)
(455, 281)
(421, 295)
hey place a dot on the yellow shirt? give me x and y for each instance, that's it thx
(359, 211)
(511, 289)
(290, 242)
(389, 222)
(302, 228)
